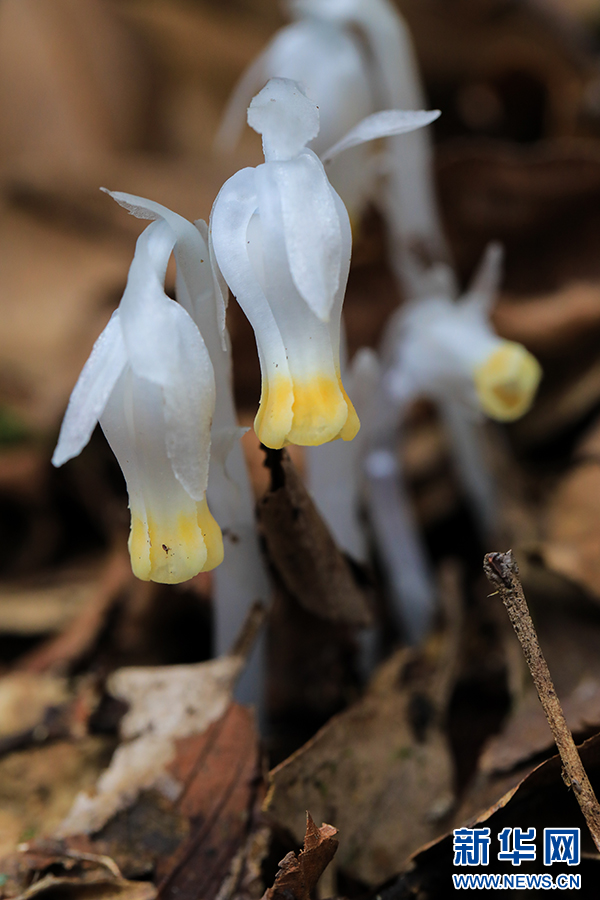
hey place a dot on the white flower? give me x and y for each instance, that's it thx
(242, 577)
(448, 350)
(282, 240)
(149, 382)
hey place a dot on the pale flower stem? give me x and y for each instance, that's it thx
(241, 579)
(465, 433)
(333, 481)
(411, 584)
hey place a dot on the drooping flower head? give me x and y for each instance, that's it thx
(149, 382)
(199, 288)
(447, 349)
(282, 240)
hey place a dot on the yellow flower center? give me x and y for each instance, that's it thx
(172, 549)
(307, 413)
(507, 381)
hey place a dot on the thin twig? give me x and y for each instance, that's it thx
(252, 624)
(502, 571)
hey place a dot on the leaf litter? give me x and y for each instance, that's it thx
(111, 793)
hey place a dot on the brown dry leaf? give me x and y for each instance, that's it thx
(200, 837)
(62, 652)
(178, 800)
(571, 545)
(381, 771)
(528, 734)
(96, 888)
(303, 552)
(220, 773)
(38, 785)
(311, 667)
(166, 705)
(24, 699)
(298, 876)
(47, 603)
(541, 799)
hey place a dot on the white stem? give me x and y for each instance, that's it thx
(334, 470)
(409, 202)
(466, 445)
(241, 578)
(333, 476)
(403, 557)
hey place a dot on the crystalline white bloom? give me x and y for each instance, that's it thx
(448, 350)
(242, 577)
(149, 382)
(282, 240)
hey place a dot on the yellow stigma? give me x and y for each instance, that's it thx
(173, 549)
(507, 381)
(307, 413)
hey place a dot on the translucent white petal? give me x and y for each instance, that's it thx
(311, 226)
(385, 123)
(173, 536)
(345, 255)
(233, 209)
(285, 117)
(486, 280)
(321, 410)
(148, 328)
(91, 393)
(199, 289)
(232, 213)
(189, 397)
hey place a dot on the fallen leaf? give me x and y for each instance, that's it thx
(381, 771)
(303, 552)
(47, 603)
(62, 652)
(98, 888)
(540, 800)
(38, 785)
(166, 703)
(527, 733)
(571, 544)
(25, 698)
(298, 876)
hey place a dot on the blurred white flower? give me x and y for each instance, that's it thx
(149, 382)
(447, 349)
(353, 58)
